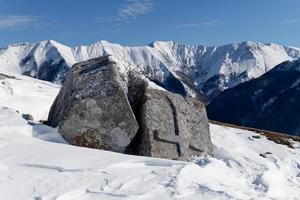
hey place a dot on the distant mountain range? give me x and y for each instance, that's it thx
(209, 70)
(269, 102)
(241, 83)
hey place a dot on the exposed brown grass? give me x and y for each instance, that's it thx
(4, 76)
(279, 138)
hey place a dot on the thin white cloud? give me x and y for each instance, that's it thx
(202, 24)
(129, 11)
(18, 22)
(291, 21)
(135, 8)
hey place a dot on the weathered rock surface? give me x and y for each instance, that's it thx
(96, 108)
(173, 127)
(92, 109)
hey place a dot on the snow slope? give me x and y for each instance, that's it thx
(32, 168)
(36, 163)
(213, 69)
(28, 95)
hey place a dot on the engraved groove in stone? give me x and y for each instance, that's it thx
(174, 111)
(177, 144)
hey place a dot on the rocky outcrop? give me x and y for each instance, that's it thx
(28, 117)
(173, 127)
(92, 109)
(97, 108)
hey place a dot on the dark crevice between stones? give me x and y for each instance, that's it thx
(136, 97)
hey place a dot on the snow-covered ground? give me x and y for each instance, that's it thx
(36, 163)
(28, 95)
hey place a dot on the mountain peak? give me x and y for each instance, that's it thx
(51, 43)
(161, 43)
(103, 42)
(216, 67)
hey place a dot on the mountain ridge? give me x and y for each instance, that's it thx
(268, 102)
(212, 68)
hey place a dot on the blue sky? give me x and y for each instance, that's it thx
(139, 22)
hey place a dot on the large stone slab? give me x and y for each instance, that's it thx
(173, 127)
(92, 109)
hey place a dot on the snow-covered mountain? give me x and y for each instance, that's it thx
(269, 102)
(210, 69)
(36, 163)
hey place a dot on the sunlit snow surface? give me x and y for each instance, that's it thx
(28, 95)
(36, 163)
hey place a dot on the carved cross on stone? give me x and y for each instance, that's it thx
(172, 126)
(176, 140)
(180, 141)
(172, 139)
